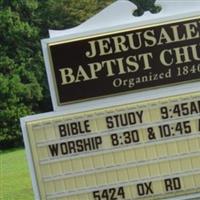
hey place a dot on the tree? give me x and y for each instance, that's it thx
(21, 70)
(23, 83)
(65, 14)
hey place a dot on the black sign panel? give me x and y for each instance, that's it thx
(126, 61)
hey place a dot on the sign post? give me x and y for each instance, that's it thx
(130, 121)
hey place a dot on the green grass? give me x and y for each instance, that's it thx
(15, 183)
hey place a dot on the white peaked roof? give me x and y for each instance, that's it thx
(119, 14)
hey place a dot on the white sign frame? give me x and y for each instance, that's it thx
(37, 117)
(109, 20)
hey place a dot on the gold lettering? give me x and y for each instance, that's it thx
(135, 42)
(150, 39)
(109, 67)
(104, 47)
(164, 37)
(119, 42)
(133, 65)
(121, 66)
(192, 30)
(164, 55)
(92, 53)
(194, 52)
(67, 76)
(176, 35)
(94, 68)
(182, 55)
(81, 75)
(146, 60)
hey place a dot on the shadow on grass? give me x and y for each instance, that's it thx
(11, 150)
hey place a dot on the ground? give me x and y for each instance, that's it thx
(15, 182)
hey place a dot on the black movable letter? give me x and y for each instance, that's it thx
(172, 184)
(144, 189)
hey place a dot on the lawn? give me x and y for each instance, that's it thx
(15, 183)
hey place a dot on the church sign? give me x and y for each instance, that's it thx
(126, 99)
(125, 61)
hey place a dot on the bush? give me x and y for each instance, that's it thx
(8, 141)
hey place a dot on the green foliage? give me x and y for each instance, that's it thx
(21, 71)
(65, 14)
(23, 82)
